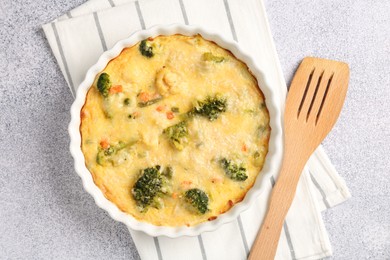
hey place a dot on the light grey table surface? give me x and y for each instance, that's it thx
(44, 212)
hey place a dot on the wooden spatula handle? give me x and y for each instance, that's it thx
(265, 245)
(313, 104)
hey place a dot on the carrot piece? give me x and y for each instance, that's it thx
(244, 148)
(136, 114)
(170, 115)
(174, 195)
(116, 89)
(104, 144)
(186, 183)
(144, 97)
(160, 108)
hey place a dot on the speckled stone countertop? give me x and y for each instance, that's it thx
(44, 212)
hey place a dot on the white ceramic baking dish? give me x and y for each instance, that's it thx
(273, 158)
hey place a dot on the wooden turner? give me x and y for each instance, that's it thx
(313, 105)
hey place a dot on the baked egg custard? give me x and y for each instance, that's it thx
(175, 130)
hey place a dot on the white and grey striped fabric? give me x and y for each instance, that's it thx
(80, 36)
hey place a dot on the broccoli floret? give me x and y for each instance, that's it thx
(197, 200)
(236, 172)
(258, 159)
(262, 129)
(211, 107)
(112, 155)
(150, 187)
(208, 56)
(188, 115)
(168, 172)
(127, 101)
(146, 49)
(175, 109)
(147, 99)
(149, 102)
(104, 84)
(177, 135)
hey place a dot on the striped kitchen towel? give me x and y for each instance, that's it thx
(80, 36)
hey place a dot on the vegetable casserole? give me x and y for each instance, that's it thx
(175, 130)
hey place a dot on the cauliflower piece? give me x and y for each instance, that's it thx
(149, 138)
(168, 82)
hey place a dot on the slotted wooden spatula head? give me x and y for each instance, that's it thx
(313, 105)
(314, 101)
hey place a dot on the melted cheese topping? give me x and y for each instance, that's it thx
(178, 74)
